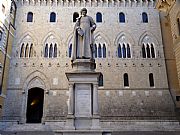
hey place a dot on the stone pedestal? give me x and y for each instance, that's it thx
(83, 96)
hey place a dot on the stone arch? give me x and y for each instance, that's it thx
(102, 36)
(69, 40)
(35, 79)
(126, 37)
(148, 37)
(53, 37)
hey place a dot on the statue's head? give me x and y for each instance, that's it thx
(83, 11)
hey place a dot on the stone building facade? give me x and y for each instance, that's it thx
(7, 16)
(129, 53)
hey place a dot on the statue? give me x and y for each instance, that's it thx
(83, 37)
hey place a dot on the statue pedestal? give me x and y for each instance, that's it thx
(83, 96)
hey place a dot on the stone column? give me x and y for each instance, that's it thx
(71, 100)
(95, 99)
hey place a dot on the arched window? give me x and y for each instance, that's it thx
(53, 17)
(126, 80)
(99, 51)
(152, 51)
(144, 17)
(151, 80)
(124, 51)
(98, 17)
(148, 51)
(22, 51)
(143, 51)
(121, 17)
(100, 81)
(95, 50)
(104, 51)
(51, 51)
(119, 51)
(75, 15)
(128, 51)
(70, 50)
(27, 51)
(55, 50)
(31, 51)
(178, 23)
(30, 17)
(46, 51)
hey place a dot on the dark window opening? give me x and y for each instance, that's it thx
(119, 51)
(178, 23)
(124, 51)
(126, 80)
(46, 51)
(30, 17)
(145, 17)
(151, 80)
(75, 16)
(98, 17)
(70, 50)
(35, 105)
(100, 82)
(55, 50)
(128, 51)
(121, 17)
(148, 52)
(52, 17)
(99, 51)
(143, 51)
(51, 51)
(95, 50)
(152, 51)
(104, 51)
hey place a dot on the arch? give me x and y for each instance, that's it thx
(144, 17)
(124, 37)
(122, 18)
(52, 17)
(52, 36)
(98, 17)
(29, 17)
(75, 16)
(100, 36)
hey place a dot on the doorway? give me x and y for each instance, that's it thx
(35, 102)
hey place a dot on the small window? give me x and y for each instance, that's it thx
(51, 51)
(75, 16)
(27, 51)
(98, 17)
(46, 51)
(104, 51)
(99, 51)
(151, 80)
(178, 23)
(52, 17)
(1, 35)
(55, 50)
(144, 17)
(31, 51)
(148, 52)
(126, 80)
(30, 17)
(128, 51)
(100, 82)
(22, 51)
(152, 51)
(119, 51)
(121, 17)
(70, 50)
(124, 51)
(3, 9)
(95, 50)
(143, 51)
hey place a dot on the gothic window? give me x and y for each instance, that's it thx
(100, 82)
(151, 80)
(152, 51)
(53, 17)
(104, 51)
(99, 51)
(75, 16)
(31, 51)
(22, 51)
(70, 50)
(124, 51)
(46, 51)
(121, 17)
(126, 80)
(27, 51)
(51, 51)
(95, 50)
(119, 51)
(143, 51)
(98, 17)
(178, 23)
(128, 51)
(55, 50)
(148, 51)
(30, 17)
(1, 35)
(144, 17)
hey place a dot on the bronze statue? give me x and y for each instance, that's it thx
(83, 37)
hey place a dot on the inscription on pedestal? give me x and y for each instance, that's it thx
(82, 100)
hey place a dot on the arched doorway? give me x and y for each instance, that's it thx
(35, 102)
